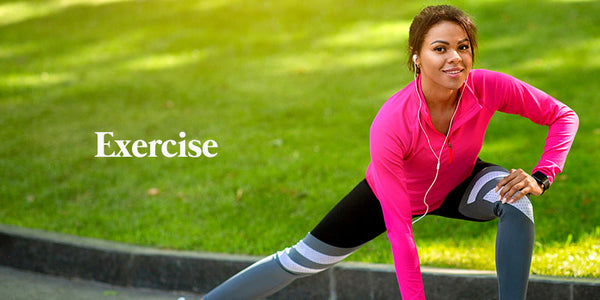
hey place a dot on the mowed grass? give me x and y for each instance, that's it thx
(288, 90)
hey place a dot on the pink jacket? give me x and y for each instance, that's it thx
(403, 167)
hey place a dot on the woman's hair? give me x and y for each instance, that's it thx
(431, 16)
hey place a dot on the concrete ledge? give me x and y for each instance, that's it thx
(127, 265)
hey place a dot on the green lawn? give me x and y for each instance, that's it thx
(288, 90)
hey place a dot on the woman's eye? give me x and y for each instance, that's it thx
(439, 49)
(463, 47)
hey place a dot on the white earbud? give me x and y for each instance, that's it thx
(415, 66)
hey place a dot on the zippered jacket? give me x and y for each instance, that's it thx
(403, 166)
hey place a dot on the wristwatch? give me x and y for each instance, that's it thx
(542, 180)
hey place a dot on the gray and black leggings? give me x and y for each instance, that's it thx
(358, 218)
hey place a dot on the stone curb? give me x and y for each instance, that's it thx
(126, 265)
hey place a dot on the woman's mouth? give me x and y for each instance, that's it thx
(454, 72)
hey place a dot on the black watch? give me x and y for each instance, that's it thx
(542, 180)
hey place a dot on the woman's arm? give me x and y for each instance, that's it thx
(386, 180)
(513, 96)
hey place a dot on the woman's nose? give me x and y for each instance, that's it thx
(454, 57)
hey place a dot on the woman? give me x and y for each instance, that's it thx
(424, 145)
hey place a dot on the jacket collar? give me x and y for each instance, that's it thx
(469, 105)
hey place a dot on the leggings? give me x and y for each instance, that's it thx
(358, 218)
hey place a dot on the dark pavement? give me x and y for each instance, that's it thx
(24, 285)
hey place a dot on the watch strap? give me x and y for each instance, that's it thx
(542, 179)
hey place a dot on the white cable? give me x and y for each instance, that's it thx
(437, 156)
(437, 171)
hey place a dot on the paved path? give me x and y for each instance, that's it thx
(22, 285)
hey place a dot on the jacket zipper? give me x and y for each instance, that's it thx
(449, 149)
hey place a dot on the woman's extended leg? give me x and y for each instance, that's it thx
(476, 200)
(355, 220)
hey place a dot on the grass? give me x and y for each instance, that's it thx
(288, 90)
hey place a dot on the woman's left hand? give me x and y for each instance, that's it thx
(516, 185)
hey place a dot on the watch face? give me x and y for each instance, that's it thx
(542, 179)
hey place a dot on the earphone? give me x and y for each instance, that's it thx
(437, 156)
(415, 66)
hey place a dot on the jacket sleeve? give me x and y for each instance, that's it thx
(517, 97)
(388, 183)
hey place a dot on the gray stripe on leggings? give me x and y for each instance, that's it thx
(305, 262)
(327, 249)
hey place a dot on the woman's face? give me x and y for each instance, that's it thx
(445, 59)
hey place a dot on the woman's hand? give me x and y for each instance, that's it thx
(516, 185)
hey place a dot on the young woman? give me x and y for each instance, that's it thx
(424, 145)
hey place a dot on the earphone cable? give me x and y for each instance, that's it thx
(437, 156)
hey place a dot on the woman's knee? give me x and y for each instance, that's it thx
(518, 209)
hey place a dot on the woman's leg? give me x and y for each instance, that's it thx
(476, 200)
(355, 220)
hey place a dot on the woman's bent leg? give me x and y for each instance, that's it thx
(514, 247)
(355, 220)
(477, 200)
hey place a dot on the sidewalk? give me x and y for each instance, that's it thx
(25, 285)
(125, 265)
